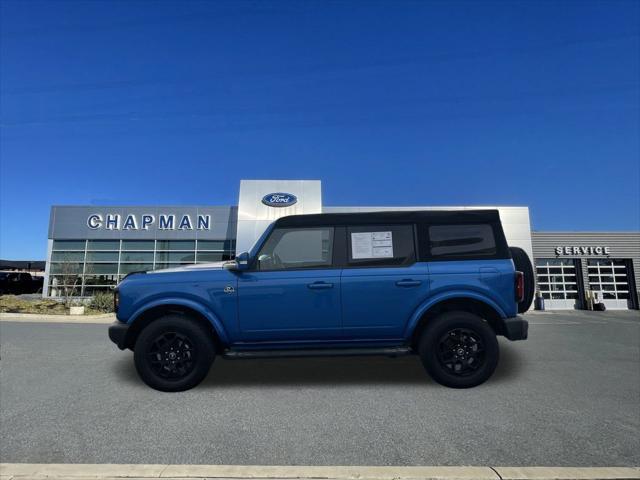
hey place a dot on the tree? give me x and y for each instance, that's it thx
(69, 271)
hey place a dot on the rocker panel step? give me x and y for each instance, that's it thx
(318, 352)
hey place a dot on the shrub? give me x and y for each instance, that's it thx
(102, 302)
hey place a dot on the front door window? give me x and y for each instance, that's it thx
(295, 248)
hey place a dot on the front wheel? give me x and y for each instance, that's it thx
(459, 350)
(173, 353)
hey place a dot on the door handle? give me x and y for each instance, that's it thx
(408, 283)
(319, 285)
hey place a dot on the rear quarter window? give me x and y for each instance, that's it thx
(462, 241)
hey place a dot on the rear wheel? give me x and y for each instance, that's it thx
(459, 350)
(173, 353)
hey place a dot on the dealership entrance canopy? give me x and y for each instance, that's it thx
(93, 247)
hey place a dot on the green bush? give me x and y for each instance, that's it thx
(102, 302)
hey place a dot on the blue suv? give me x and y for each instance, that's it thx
(439, 284)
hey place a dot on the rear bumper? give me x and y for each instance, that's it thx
(516, 328)
(118, 334)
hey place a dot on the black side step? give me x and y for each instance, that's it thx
(324, 352)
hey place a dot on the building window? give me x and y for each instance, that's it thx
(176, 257)
(138, 245)
(102, 256)
(217, 245)
(69, 245)
(90, 266)
(126, 268)
(103, 245)
(206, 257)
(176, 245)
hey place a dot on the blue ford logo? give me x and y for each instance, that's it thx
(279, 199)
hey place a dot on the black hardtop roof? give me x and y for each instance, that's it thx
(391, 217)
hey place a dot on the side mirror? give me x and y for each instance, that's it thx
(241, 262)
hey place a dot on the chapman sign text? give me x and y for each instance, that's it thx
(144, 222)
(583, 250)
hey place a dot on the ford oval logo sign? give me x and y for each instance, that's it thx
(279, 199)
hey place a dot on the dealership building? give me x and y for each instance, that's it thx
(93, 247)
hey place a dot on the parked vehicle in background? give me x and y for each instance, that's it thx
(441, 285)
(18, 283)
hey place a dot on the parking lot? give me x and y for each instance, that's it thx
(570, 395)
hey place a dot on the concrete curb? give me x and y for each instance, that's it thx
(103, 318)
(24, 471)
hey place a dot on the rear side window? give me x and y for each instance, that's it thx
(380, 245)
(462, 241)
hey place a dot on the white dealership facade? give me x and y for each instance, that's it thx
(95, 246)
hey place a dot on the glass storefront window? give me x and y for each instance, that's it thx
(176, 245)
(65, 280)
(90, 291)
(160, 266)
(66, 268)
(136, 257)
(215, 245)
(104, 268)
(102, 256)
(67, 256)
(68, 245)
(204, 257)
(107, 261)
(183, 257)
(100, 279)
(135, 267)
(138, 245)
(103, 245)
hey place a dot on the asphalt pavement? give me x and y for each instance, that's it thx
(570, 395)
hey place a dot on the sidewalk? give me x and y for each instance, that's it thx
(22, 471)
(104, 318)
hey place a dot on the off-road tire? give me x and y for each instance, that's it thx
(174, 353)
(456, 331)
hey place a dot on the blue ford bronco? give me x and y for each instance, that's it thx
(439, 284)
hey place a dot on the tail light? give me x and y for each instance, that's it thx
(519, 287)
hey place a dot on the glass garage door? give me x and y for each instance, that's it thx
(557, 283)
(609, 278)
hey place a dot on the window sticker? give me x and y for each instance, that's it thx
(371, 245)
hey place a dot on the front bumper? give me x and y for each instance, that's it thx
(118, 334)
(516, 328)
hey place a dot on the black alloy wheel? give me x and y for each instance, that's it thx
(461, 351)
(172, 355)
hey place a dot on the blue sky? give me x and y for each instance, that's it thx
(388, 103)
